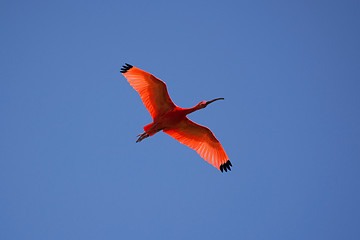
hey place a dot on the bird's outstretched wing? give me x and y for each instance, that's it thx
(203, 141)
(153, 91)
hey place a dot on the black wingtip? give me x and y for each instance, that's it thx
(125, 68)
(226, 166)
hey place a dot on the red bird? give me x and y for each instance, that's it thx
(172, 119)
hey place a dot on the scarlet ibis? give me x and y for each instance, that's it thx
(171, 119)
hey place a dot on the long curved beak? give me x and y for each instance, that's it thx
(208, 102)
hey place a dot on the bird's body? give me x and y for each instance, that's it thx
(171, 119)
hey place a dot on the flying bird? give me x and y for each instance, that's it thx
(172, 120)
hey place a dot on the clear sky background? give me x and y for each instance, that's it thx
(290, 75)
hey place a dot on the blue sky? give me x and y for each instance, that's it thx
(289, 73)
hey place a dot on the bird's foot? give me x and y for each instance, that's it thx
(141, 137)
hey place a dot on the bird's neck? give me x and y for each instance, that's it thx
(190, 110)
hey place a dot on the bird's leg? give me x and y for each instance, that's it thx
(145, 134)
(142, 136)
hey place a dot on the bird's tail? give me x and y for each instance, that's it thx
(147, 128)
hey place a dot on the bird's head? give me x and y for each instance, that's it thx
(203, 104)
